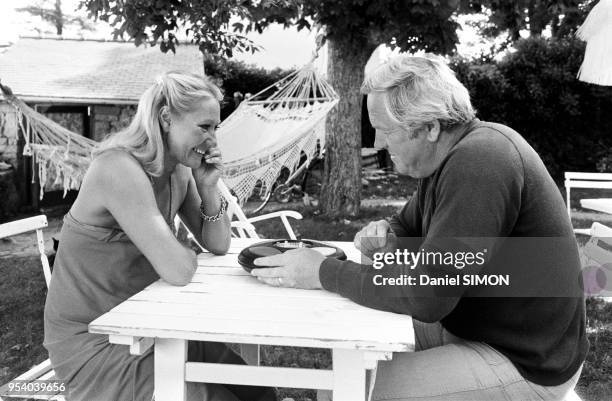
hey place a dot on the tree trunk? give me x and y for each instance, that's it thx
(341, 190)
(59, 17)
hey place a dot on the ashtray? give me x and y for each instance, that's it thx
(278, 246)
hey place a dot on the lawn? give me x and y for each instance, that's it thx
(22, 292)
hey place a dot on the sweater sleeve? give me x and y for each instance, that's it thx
(477, 194)
(407, 223)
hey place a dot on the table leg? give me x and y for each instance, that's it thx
(170, 358)
(349, 375)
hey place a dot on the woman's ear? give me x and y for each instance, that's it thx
(164, 118)
(433, 131)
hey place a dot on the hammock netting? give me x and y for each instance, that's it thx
(272, 130)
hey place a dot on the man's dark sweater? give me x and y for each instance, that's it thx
(491, 184)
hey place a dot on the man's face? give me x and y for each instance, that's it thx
(411, 151)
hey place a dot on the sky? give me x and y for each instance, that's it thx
(283, 48)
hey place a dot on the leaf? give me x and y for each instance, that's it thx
(302, 23)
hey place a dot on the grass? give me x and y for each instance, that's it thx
(22, 295)
(596, 379)
(22, 298)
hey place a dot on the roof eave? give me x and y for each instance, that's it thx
(75, 100)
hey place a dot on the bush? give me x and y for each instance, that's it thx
(535, 91)
(237, 76)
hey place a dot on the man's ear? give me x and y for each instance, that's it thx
(164, 118)
(433, 131)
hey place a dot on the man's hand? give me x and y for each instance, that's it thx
(297, 268)
(375, 237)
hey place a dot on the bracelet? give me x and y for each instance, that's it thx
(217, 216)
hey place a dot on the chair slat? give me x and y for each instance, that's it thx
(23, 226)
(584, 180)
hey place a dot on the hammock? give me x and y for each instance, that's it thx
(269, 131)
(262, 136)
(61, 155)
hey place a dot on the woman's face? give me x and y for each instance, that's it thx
(192, 134)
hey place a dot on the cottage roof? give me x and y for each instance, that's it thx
(55, 70)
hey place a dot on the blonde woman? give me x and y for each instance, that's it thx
(117, 238)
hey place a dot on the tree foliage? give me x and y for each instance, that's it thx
(207, 23)
(534, 90)
(409, 24)
(562, 16)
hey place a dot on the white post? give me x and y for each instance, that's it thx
(349, 375)
(567, 196)
(43, 257)
(170, 358)
(250, 353)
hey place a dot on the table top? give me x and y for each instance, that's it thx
(225, 303)
(601, 204)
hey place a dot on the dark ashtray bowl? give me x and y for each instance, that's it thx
(248, 255)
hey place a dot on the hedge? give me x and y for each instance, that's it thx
(237, 76)
(535, 91)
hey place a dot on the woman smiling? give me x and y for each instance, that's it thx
(117, 238)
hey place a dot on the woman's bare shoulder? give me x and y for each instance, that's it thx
(114, 167)
(109, 174)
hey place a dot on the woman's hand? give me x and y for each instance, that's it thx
(210, 170)
(297, 268)
(375, 237)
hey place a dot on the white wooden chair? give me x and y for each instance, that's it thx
(42, 371)
(585, 180)
(597, 252)
(242, 226)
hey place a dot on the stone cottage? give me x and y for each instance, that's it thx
(91, 87)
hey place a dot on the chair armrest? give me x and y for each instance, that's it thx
(288, 213)
(244, 229)
(283, 214)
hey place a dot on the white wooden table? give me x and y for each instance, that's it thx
(601, 204)
(224, 303)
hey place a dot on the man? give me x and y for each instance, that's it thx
(477, 180)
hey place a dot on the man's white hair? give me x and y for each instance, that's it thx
(419, 90)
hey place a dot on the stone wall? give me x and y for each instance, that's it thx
(8, 134)
(74, 122)
(110, 119)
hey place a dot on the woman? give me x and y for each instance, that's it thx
(117, 238)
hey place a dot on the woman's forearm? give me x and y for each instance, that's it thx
(215, 235)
